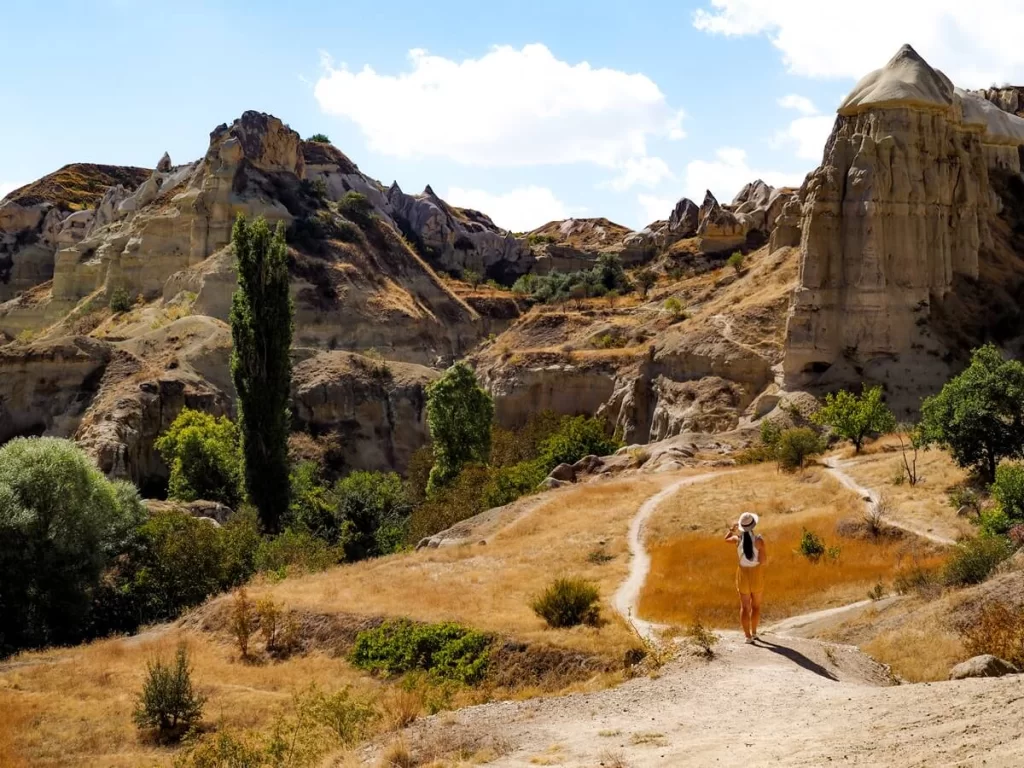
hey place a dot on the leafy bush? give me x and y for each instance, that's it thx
(447, 651)
(168, 701)
(355, 206)
(646, 280)
(855, 417)
(510, 446)
(964, 499)
(313, 505)
(372, 512)
(795, 446)
(914, 578)
(345, 715)
(243, 621)
(736, 262)
(811, 546)
(998, 630)
(675, 307)
(205, 458)
(506, 484)
(297, 551)
(974, 560)
(120, 300)
(62, 523)
(568, 602)
(319, 138)
(461, 499)
(607, 275)
(577, 436)
(1008, 490)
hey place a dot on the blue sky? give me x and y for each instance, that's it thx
(528, 110)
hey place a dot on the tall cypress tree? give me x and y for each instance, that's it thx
(261, 369)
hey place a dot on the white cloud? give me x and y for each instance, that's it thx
(519, 210)
(801, 104)
(727, 174)
(507, 108)
(6, 187)
(975, 43)
(808, 134)
(655, 208)
(645, 171)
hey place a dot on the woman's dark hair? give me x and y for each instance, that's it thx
(748, 545)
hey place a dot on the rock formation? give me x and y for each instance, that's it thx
(574, 244)
(899, 209)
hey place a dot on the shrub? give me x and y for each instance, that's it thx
(607, 275)
(701, 640)
(461, 499)
(372, 513)
(278, 628)
(736, 262)
(795, 446)
(675, 307)
(998, 630)
(62, 523)
(168, 701)
(506, 484)
(568, 602)
(577, 436)
(877, 592)
(120, 300)
(243, 621)
(811, 546)
(313, 504)
(964, 499)
(854, 417)
(319, 138)
(1008, 490)
(345, 715)
(447, 651)
(355, 206)
(472, 277)
(974, 560)
(296, 551)
(914, 578)
(205, 458)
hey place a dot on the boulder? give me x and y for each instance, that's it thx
(550, 482)
(684, 218)
(985, 665)
(587, 465)
(564, 472)
(212, 511)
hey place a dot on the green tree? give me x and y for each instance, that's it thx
(979, 415)
(646, 279)
(319, 138)
(577, 436)
(459, 416)
(855, 417)
(61, 524)
(168, 701)
(261, 369)
(313, 504)
(372, 511)
(736, 262)
(205, 458)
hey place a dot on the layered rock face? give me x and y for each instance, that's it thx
(376, 409)
(900, 206)
(571, 245)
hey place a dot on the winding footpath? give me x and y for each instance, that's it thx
(784, 702)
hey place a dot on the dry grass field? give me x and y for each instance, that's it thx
(72, 707)
(693, 569)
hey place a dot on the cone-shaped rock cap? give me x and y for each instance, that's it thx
(907, 80)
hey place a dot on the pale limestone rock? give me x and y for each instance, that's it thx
(985, 665)
(721, 229)
(899, 207)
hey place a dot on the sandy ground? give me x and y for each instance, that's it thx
(785, 701)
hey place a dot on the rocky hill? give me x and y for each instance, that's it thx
(897, 255)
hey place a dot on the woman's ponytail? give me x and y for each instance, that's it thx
(748, 545)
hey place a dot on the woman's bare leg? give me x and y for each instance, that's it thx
(745, 614)
(755, 612)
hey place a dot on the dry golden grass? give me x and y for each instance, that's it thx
(694, 576)
(693, 569)
(926, 504)
(74, 707)
(490, 586)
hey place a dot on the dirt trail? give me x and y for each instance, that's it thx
(784, 701)
(871, 500)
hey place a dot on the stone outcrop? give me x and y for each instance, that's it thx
(898, 210)
(571, 245)
(1009, 98)
(985, 665)
(376, 409)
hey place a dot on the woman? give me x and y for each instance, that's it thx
(750, 574)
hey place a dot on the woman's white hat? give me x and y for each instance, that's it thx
(748, 520)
